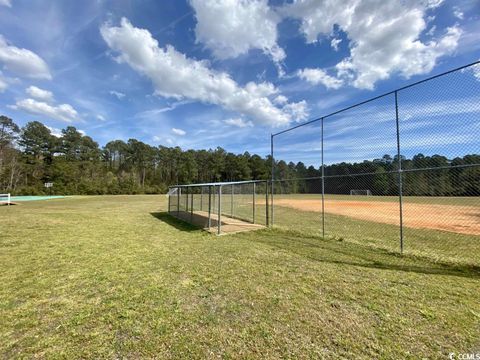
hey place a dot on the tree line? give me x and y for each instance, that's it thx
(31, 156)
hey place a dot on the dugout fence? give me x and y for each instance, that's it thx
(222, 207)
(400, 171)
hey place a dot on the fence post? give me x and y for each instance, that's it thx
(323, 188)
(191, 206)
(400, 184)
(254, 202)
(231, 201)
(209, 206)
(178, 201)
(219, 228)
(267, 205)
(201, 198)
(273, 176)
(169, 198)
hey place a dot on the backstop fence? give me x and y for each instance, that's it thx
(400, 171)
(222, 207)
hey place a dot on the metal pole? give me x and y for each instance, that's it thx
(231, 202)
(219, 228)
(191, 206)
(254, 202)
(273, 176)
(201, 198)
(169, 198)
(179, 193)
(186, 200)
(323, 189)
(266, 204)
(400, 184)
(209, 206)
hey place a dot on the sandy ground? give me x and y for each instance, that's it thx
(458, 219)
(229, 225)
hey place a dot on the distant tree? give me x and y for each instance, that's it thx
(37, 141)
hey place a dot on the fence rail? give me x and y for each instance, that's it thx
(415, 149)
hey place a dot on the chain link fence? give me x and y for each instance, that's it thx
(399, 172)
(221, 207)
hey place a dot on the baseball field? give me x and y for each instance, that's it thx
(117, 277)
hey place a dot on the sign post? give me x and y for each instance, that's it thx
(49, 185)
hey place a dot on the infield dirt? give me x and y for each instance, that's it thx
(458, 219)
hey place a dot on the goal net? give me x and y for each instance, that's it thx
(360, 192)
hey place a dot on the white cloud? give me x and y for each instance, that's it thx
(280, 100)
(334, 43)
(432, 30)
(179, 132)
(231, 28)
(476, 71)
(39, 94)
(63, 112)
(22, 61)
(318, 76)
(384, 36)
(55, 131)
(458, 13)
(238, 122)
(6, 3)
(119, 95)
(82, 132)
(101, 117)
(298, 110)
(176, 76)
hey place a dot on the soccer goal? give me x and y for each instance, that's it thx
(360, 192)
(222, 207)
(5, 199)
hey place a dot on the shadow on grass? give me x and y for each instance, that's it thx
(175, 222)
(351, 254)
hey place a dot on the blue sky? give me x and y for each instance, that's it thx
(202, 74)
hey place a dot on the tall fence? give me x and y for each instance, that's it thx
(400, 171)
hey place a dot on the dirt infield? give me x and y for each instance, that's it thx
(229, 225)
(458, 219)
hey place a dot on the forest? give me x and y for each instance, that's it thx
(31, 156)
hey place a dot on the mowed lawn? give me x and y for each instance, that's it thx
(114, 276)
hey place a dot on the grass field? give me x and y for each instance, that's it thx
(445, 229)
(114, 276)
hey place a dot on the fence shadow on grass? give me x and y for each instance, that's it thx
(175, 222)
(351, 254)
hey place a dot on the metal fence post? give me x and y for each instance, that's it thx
(209, 206)
(323, 188)
(169, 200)
(267, 205)
(191, 206)
(273, 176)
(254, 203)
(400, 184)
(231, 201)
(178, 200)
(219, 228)
(201, 198)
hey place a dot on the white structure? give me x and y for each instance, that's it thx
(5, 199)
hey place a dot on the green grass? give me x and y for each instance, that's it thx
(435, 245)
(111, 277)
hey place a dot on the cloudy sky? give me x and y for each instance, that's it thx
(207, 73)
